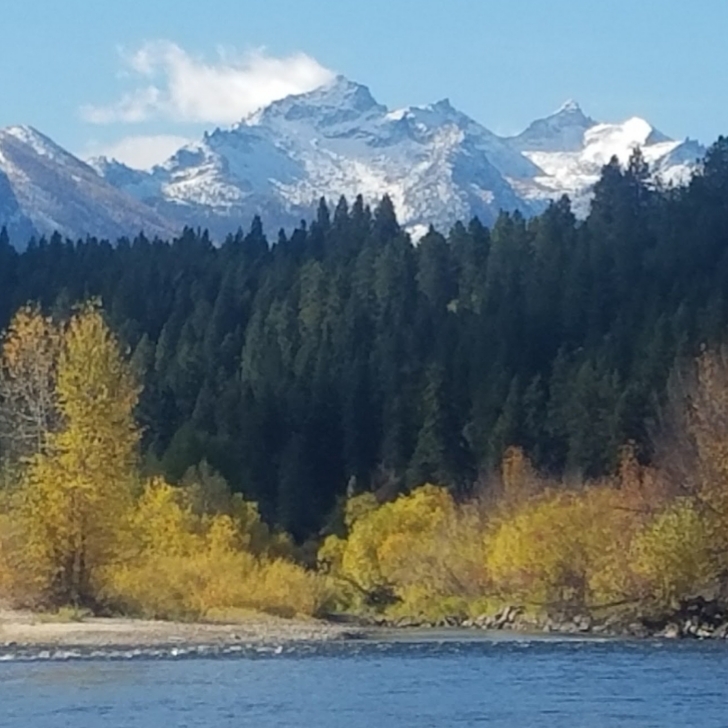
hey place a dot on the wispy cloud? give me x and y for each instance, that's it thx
(176, 86)
(138, 152)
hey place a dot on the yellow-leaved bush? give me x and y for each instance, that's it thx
(674, 554)
(536, 543)
(183, 564)
(562, 548)
(8, 565)
(418, 550)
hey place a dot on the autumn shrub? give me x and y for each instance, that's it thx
(673, 554)
(19, 586)
(562, 548)
(382, 542)
(358, 507)
(287, 589)
(184, 563)
(80, 530)
(446, 573)
(207, 583)
(419, 554)
(692, 454)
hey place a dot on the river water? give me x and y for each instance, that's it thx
(375, 684)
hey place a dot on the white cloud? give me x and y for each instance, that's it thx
(138, 152)
(174, 85)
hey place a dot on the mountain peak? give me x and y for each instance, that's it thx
(47, 189)
(562, 131)
(30, 138)
(620, 139)
(569, 107)
(26, 134)
(337, 101)
(443, 104)
(341, 84)
(341, 91)
(20, 130)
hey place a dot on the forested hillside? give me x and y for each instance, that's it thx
(343, 358)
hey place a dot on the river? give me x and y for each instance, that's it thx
(427, 683)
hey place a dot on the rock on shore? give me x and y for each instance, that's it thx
(696, 618)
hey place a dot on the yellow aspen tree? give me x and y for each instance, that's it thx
(78, 494)
(28, 404)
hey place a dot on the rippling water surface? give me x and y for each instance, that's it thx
(516, 683)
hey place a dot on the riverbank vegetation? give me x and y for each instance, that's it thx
(638, 541)
(533, 414)
(81, 526)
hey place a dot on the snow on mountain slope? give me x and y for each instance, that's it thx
(571, 149)
(437, 164)
(44, 189)
(121, 176)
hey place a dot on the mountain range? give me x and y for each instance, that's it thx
(437, 164)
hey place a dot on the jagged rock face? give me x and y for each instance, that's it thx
(561, 132)
(437, 164)
(44, 189)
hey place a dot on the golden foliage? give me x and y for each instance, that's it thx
(30, 350)
(378, 545)
(81, 529)
(422, 547)
(7, 570)
(695, 456)
(78, 492)
(603, 544)
(187, 563)
(562, 548)
(673, 554)
(359, 506)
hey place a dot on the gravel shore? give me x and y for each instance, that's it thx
(25, 629)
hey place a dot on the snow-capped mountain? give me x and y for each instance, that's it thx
(437, 164)
(571, 149)
(44, 189)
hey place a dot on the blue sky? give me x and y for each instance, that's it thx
(136, 75)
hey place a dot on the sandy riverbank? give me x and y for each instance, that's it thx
(25, 629)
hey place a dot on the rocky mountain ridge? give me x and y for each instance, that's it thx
(437, 164)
